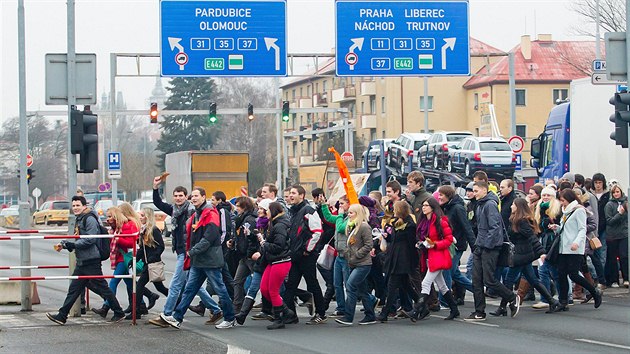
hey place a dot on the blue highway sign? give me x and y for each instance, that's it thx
(402, 38)
(113, 161)
(223, 38)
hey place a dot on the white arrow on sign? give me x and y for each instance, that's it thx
(174, 43)
(271, 43)
(450, 44)
(357, 43)
(599, 78)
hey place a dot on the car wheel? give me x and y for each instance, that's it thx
(34, 221)
(59, 224)
(402, 167)
(467, 169)
(449, 166)
(46, 221)
(436, 163)
(389, 160)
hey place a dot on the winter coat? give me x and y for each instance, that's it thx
(340, 221)
(506, 207)
(416, 199)
(491, 232)
(616, 223)
(527, 247)
(121, 245)
(572, 229)
(439, 255)
(471, 208)
(547, 236)
(402, 256)
(153, 254)
(359, 246)
(178, 234)
(462, 231)
(203, 238)
(602, 201)
(245, 244)
(85, 249)
(306, 229)
(276, 248)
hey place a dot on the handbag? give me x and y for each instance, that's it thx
(595, 243)
(554, 251)
(326, 258)
(155, 269)
(506, 255)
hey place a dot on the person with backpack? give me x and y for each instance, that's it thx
(89, 261)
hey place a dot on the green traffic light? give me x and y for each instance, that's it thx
(285, 118)
(213, 119)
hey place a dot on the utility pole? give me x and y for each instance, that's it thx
(279, 182)
(426, 105)
(627, 74)
(25, 215)
(598, 50)
(512, 85)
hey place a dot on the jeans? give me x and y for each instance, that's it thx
(98, 286)
(245, 268)
(228, 280)
(341, 273)
(196, 277)
(377, 279)
(456, 274)
(356, 287)
(121, 269)
(547, 271)
(602, 251)
(304, 266)
(254, 285)
(177, 286)
(484, 268)
(598, 266)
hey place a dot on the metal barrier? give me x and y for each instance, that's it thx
(131, 276)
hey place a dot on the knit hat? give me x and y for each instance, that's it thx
(367, 201)
(548, 191)
(264, 204)
(469, 186)
(570, 177)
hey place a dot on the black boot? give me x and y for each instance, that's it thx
(102, 311)
(553, 303)
(288, 316)
(420, 309)
(452, 304)
(501, 310)
(199, 309)
(277, 318)
(248, 303)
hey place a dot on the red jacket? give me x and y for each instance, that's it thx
(122, 244)
(439, 255)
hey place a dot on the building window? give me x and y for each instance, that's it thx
(362, 107)
(308, 90)
(476, 103)
(430, 105)
(521, 130)
(521, 97)
(309, 118)
(309, 146)
(372, 134)
(382, 104)
(316, 87)
(286, 95)
(301, 92)
(294, 120)
(293, 94)
(324, 84)
(294, 148)
(560, 95)
(372, 105)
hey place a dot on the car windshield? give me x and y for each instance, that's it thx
(61, 206)
(454, 138)
(418, 144)
(494, 146)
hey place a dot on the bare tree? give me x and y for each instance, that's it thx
(612, 16)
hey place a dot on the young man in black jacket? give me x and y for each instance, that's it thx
(328, 233)
(88, 263)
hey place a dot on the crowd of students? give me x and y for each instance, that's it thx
(391, 252)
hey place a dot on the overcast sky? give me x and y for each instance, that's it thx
(132, 26)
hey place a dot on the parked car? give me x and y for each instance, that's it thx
(493, 155)
(435, 153)
(55, 212)
(161, 219)
(403, 149)
(101, 208)
(374, 157)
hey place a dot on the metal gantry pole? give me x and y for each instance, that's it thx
(112, 106)
(25, 215)
(628, 74)
(512, 84)
(279, 182)
(426, 105)
(598, 50)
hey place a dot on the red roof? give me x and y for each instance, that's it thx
(551, 62)
(478, 47)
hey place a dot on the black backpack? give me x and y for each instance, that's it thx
(101, 243)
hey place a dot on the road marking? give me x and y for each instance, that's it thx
(603, 343)
(232, 349)
(475, 323)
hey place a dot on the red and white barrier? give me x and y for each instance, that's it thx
(67, 277)
(35, 267)
(62, 237)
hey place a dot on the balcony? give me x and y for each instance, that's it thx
(320, 99)
(368, 121)
(305, 103)
(306, 159)
(368, 88)
(344, 94)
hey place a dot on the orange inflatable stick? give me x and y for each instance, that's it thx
(353, 197)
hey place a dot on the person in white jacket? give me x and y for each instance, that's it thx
(572, 233)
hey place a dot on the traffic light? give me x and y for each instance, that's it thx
(250, 112)
(285, 111)
(84, 139)
(153, 113)
(212, 113)
(621, 118)
(29, 175)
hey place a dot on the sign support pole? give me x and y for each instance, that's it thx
(628, 71)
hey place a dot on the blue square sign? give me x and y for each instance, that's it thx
(113, 161)
(402, 38)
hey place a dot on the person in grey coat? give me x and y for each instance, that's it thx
(490, 237)
(616, 211)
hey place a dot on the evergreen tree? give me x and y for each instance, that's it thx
(187, 132)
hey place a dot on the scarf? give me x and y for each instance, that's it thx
(178, 210)
(422, 231)
(262, 222)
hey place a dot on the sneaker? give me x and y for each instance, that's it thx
(262, 316)
(402, 314)
(214, 318)
(257, 306)
(159, 322)
(476, 317)
(540, 305)
(367, 321)
(317, 319)
(626, 284)
(58, 319)
(83, 311)
(343, 322)
(226, 324)
(570, 302)
(101, 311)
(337, 314)
(614, 285)
(171, 321)
(515, 306)
(198, 309)
(118, 318)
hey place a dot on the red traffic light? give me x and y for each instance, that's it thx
(153, 113)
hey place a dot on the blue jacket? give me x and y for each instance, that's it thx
(490, 229)
(85, 249)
